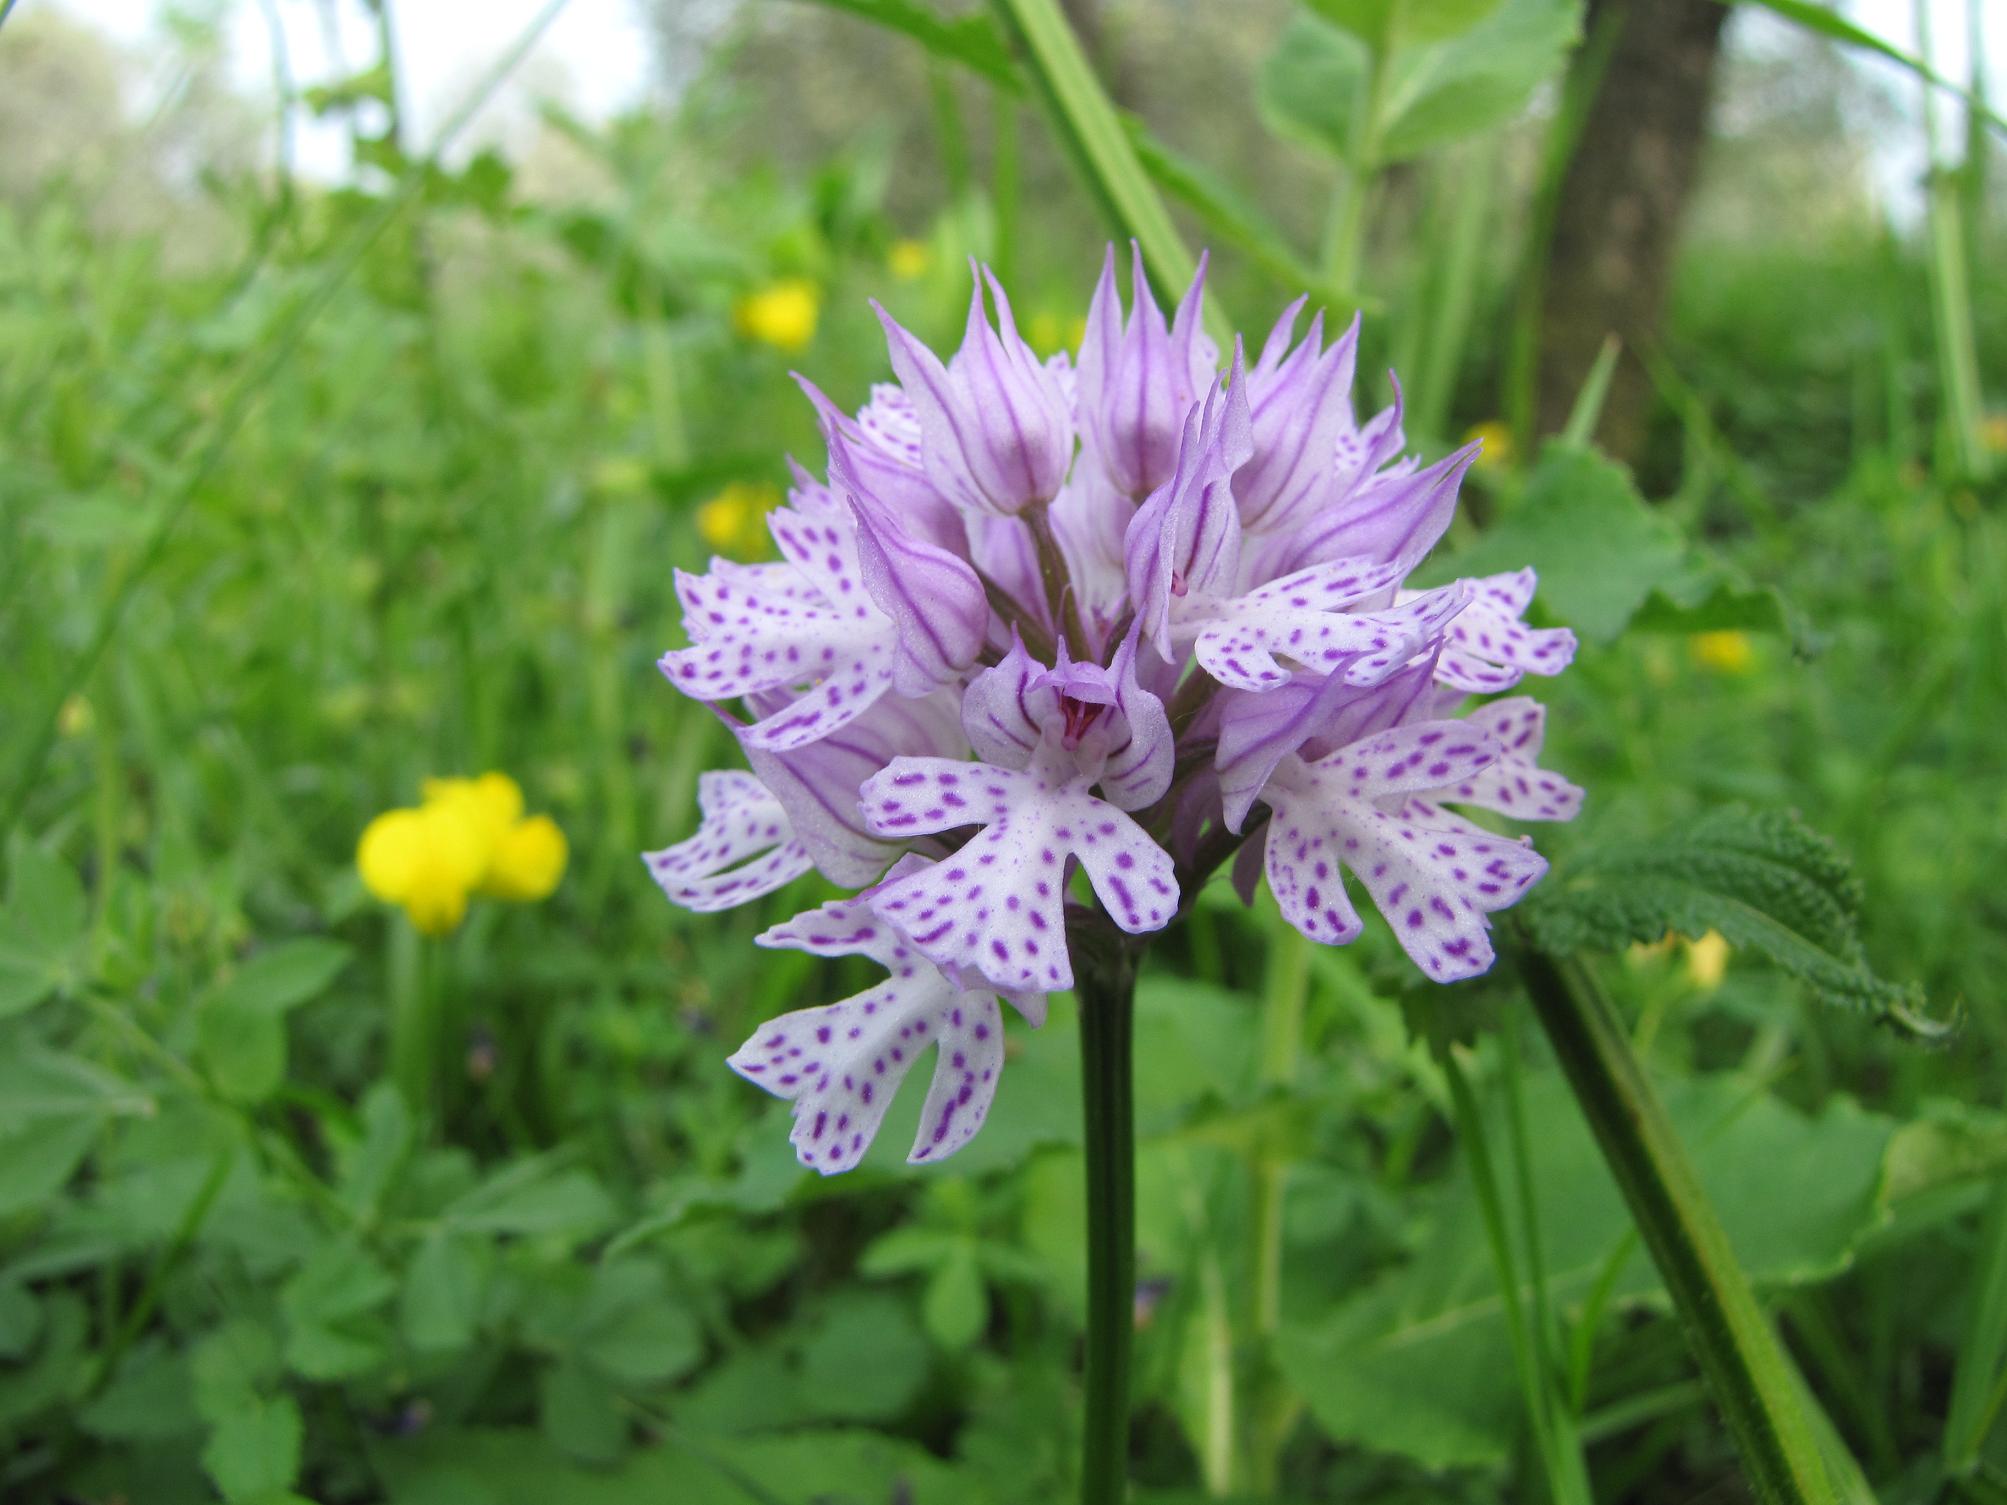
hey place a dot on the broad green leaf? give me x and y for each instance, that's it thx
(957, 1304)
(1763, 879)
(20, 1319)
(533, 1196)
(581, 1412)
(41, 929)
(54, 1373)
(1309, 88)
(1479, 78)
(240, 1025)
(255, 1450)
(149, 1397)
(494, 1466)
(865, 1360)
(440, 1302)
(632, 1329)
(282, 977)
(52, 1109)
(1598, 546)
(1396, 23)
(1421, 1364)
(331, 1305)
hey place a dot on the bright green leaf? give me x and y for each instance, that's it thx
(255, 1450)
(957, 1304)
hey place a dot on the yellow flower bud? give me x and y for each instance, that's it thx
(528, 862)
(781, 314)
(1707, 960)
(1496, 436)
(427, 859)
(909, 260)
(734, 521)
(1724, 652)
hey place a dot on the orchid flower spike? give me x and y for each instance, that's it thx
(1122, 617)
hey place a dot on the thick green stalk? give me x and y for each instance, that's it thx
(1107, 993)
(1746, 1369)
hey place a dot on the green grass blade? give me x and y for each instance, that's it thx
(1093, 134)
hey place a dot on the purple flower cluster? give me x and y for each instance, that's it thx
(1114, 614)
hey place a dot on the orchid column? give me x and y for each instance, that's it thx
(1049, 645)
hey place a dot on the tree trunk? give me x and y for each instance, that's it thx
(1616, 224)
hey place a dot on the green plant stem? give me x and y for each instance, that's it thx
(1103, 152)
(1107, 993)
(1740, 1357)
(1271, 1407)
(414, 964)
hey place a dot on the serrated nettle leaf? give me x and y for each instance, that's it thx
(1764, 880)
(1599, 547)
(1420, 1363)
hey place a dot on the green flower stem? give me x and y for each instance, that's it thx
(1107, 993)
(414, 1014)
(1746, 1368)
(1093, 134)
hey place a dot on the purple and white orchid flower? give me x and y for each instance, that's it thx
(1113, 619)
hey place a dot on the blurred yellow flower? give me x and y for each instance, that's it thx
(781, 314)
(1707, 960)
(1495, 434)
(528, 862)
(909, 260)
(76, 717)
(734, 521)
(426, 859)
(468, 837)
(1724, 652)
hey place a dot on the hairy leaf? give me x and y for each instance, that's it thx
(1764, 879)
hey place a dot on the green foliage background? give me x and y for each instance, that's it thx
(437, 536)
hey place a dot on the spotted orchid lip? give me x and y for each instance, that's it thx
(1229, 554)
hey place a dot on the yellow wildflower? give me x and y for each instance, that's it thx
(1707, 960)
(734, 521)
(528, 862)
(781, 314)
(909, 260)
(76, 717)
(1496, 436)
(1725, 652)
(427, 860)
(468, 837)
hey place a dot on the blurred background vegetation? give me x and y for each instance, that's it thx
(329, 462)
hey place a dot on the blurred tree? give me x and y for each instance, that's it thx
(1616, 224)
